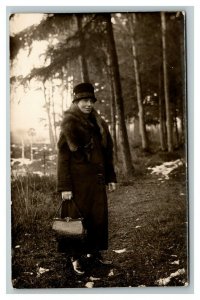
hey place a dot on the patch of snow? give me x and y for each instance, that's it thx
(52, 157)
(165, 281)
(21, 161)
(166, 168)
(38, 173)
(178, 272)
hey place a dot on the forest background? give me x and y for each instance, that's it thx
(136, 62)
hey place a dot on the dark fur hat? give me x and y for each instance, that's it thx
(84, 90)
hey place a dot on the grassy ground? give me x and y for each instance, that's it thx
(147, 240)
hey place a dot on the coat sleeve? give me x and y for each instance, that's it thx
(110, 175)
(64, 182)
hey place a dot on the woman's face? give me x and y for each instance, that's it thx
(86, 105)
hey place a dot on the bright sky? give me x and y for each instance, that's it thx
(27, 108)
(27, 113)
(21, 21)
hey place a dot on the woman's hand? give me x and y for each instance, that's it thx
(111, 186)
(67, 195)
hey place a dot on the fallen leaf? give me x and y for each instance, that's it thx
(111, 273)
(176, 262)
(28, 273)
(120, 251)
(89, 284)
(142, 285)
(14, 281)
(41, 271)
(94, 278)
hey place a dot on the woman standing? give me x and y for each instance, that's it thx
(85, 167)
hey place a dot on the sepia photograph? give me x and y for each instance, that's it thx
(99, 150)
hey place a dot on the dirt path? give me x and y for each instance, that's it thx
(148, 242)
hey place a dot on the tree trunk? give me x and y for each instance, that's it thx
(143, 133)
(127, 161)
(31, 133)
(83, 62)
(113, 120)
(162, 112)
(47, 106)
(63, 89)
(182, 128)
(166, 85)
(31, 148)
(176, 131)
(54, 115)
(22, 140)
(183, 73)
(113, 109)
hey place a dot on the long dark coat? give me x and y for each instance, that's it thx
(85, 166)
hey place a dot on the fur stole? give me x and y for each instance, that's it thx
(78, 128)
